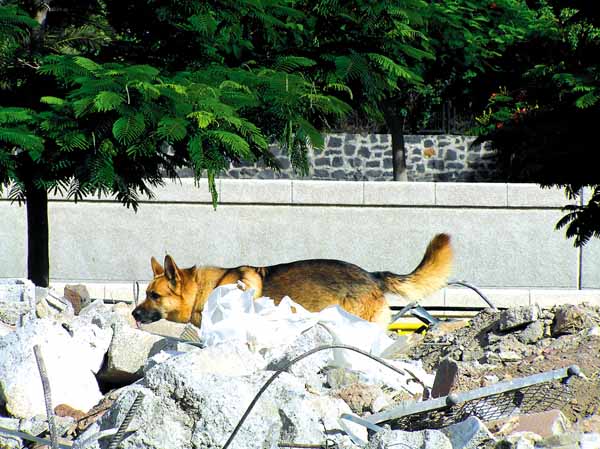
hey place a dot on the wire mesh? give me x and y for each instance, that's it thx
(532, 399)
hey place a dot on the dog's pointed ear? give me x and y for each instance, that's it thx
(157, 268)
(172, 272)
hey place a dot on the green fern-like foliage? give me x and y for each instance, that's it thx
(540, 122)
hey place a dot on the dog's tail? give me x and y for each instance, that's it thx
(429, 276)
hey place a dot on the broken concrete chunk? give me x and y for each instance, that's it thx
(6, 441)
(424, 439)
(166, 328)
(159, 423)
(573, 440)
(309, 367)
(127, 354)
(517, 317)
(544, 424)
(570, 319)
(105, 315)
(445, 378)
(402, 345)
(361, 397)
(341, 377)
(533, 333)
(78, 296)
(201, 410)
(468, 434)
(523, 440)
(70, 363)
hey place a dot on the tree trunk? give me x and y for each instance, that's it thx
(395, 124)
(38, 262)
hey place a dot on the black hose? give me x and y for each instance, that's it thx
(476, 290)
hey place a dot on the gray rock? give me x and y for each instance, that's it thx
(533, 333)
(71, 359)
(349, 149)
(341, 377)
(106, 315)
(570, 319)
(361, 397)
(517, 317)
(11, 312)
(159, 423)
(424, 439)
(78, 296)
(50, 305)
(10, 442)
(334, 142)
(309, 368)
(468, 434)
(165, 328)
(128, 352)
(183, 409)
(5, 328)
(17, 301)
(227, 359)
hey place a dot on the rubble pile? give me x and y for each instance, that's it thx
(99, 364)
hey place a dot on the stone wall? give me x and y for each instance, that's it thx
(368, 157)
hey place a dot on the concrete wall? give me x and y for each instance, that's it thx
(503, 234)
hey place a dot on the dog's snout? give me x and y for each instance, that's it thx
(137, 314)
(146, 316)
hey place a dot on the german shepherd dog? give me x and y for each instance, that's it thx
(179, 295)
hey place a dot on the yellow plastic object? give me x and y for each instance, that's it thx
(406, 326)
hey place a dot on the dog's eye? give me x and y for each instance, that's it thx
(153, 295)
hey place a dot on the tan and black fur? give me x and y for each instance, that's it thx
(180, 294)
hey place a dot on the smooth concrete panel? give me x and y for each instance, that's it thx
(262, 191)
(512, 248)
(13, 240)
(532, 195)
(184, 190)
(548, 298)
(400, 193)
(494, 247)
(328, 192)
(590, 264)
(499, 297)
(470, 194)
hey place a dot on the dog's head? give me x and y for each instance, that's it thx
(170, 295)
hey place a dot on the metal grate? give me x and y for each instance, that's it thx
(532, 399)
(536, 393)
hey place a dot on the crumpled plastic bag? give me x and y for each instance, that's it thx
(231, 314)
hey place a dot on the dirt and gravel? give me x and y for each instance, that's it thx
(488, 351)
